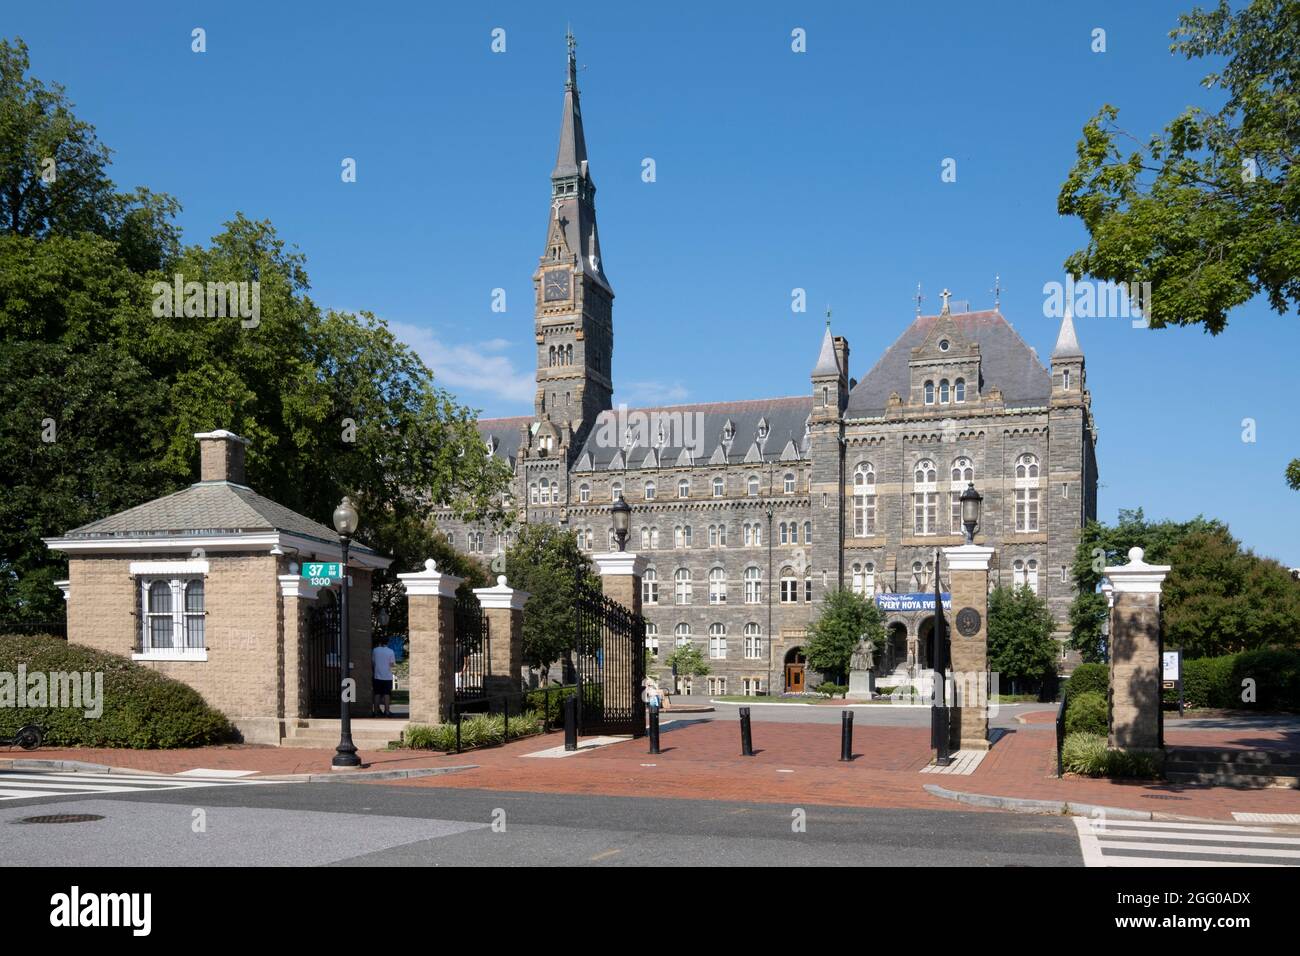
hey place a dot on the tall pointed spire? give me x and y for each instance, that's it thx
(573, 145)
(827, 363)
(1067, 343)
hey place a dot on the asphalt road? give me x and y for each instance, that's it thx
(367, 824)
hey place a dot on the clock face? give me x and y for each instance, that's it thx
(555, 285)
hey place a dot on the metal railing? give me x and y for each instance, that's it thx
(1060, 732)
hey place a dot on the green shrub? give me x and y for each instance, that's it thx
(552, 704)
(831, 690)
(1086, 713)
(1088, 678)
(476, 730)
(1276, 674)
(1087, 754)
(423, 737)
(141, 708)
(1207, 682)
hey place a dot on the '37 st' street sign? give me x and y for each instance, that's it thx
(321, 574)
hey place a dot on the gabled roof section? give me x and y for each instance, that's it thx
(505, 433)
(1005, 362)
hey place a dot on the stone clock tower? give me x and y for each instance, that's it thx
(574, 325)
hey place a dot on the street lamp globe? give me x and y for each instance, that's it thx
(346, 518)
(971, 503)
(622, 514)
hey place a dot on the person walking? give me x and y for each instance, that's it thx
(382, 659)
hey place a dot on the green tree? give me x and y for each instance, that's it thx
(1208, 211)
(1021, 646)
(546, 562)
(687, 660)
(845, 619)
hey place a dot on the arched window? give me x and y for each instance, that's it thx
(652, 639)
(718, 487)
(784, 533)
(568, 355)
(650, 587)
(682, 586)
(722, 535)
(807, 532)
(615, 490)
(654, 538)
(807, 586)
(555, 493)
(717, 586)
(963, 472)
(550, 356)
(649, 491)
(753, 586)
(864, 500)
(718, 642)
(789, 586)
(943, 392)
(753, 642)
(1065, 379)
(751, 486)
(1024, 574)
(1027, 493)
(788, 483)
(959, 390)
(929, 393)
(925, 498)
(532, 493)
(584, 493)
(645, 538)
(681, 635)
(546, 492)
(684, 488)
(611, 541)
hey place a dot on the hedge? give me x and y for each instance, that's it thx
(1218, 681)
(1087, 754)
(141, 708)
(476, 730)
(1086, 713)
(1089, 678)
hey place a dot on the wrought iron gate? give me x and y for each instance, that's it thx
(610, 652)
(469, 650)
(324, 678)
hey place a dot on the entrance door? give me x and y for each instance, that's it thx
(794, 678)
(324, 677)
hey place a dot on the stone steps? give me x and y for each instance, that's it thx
(1246, 769)
(367, 733)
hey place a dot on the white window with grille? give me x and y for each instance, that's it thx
(753, 642)
(681, 635)
(925, 498)
(717, 586)
(650, 587)
(682, 586)
(652, 640)
(172, 613)
(753, 586)
(718, 642)
(1027, 493)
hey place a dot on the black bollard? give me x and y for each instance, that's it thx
(570, 722)
(846, 735)
(746, 738)
(654, 729)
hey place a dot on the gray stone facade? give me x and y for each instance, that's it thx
(957, 398)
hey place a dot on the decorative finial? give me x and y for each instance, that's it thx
(919, 298)
(997, 291)
(945, 295)
(501, 580)
(571, 83)
(828, 315)
(430, 564)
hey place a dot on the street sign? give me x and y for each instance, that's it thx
(321, 574)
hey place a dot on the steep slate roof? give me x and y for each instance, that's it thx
(827, 363)
(505, 435)
(1005, 362)
(1067, 343)
(208, 508)
(786, 420)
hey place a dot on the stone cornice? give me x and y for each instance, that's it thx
(430, 582)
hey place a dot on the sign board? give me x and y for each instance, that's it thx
(1172, 665)
(321, 574)
(922, 601)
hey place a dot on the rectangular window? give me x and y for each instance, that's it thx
(173, 618)
(925, 509)
(1027, 509)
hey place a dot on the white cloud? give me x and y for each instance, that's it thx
(651, 393)
(469, 367)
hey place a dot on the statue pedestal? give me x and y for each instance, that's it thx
(862, 685)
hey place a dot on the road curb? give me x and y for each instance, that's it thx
(364, 776)
(1059, 807)
(72, 766)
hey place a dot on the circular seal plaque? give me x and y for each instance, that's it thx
(968, 622)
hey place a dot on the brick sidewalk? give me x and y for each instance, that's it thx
(795, 764)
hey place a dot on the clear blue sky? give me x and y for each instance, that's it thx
(775, 170)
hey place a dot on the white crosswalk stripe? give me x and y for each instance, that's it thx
(1151, 843)
(24, 785)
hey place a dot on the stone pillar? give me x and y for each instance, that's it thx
(968, 572)
(620, 580)
(504, 608)
(296, 596)
(431, 623)
(1135, 654)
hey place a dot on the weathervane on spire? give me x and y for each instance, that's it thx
(828, 315)
(918, 298)
(945, 295)
(997, 291)
(572, 42)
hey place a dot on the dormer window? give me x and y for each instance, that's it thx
(728, 431)
(762, 429)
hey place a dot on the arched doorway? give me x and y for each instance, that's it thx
(896, 648)
(924, 641)
(796, 671)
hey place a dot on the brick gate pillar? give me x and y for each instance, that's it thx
(503, 606)
(620, 580)
(1135, 654)
(431, 623)
(968, 571)
(296, 599)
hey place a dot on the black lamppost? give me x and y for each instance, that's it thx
(622, 514)
(346, 520)
(971, 502)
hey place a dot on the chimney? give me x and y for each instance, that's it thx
(221, 456)
(842, 354)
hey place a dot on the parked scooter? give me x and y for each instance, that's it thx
(29, 737)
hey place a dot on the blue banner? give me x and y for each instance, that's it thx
(922, 601)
